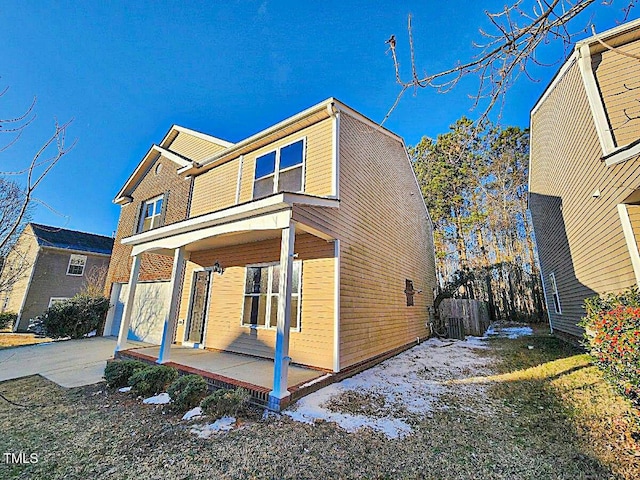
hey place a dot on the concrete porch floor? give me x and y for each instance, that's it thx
(241, 368)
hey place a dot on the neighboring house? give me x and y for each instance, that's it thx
(307, 242)
(584, 184)
(50, 264)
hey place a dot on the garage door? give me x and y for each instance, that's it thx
(149, 310)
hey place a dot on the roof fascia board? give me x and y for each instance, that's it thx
(236, 212)
(198, 167)
(75, 251)
(121, 198)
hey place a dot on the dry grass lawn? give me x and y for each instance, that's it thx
(10, 339)
(547, 414)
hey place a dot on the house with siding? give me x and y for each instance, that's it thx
(307, 244)
(584, 175)
(49, 264)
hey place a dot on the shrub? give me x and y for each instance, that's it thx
(76, 317)
(152, 380)
(612, 333)
(118, 372)
(8, 319)
(187, 391)
(226, 402)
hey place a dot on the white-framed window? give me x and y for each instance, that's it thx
(76, 265)
(151, 215)
(281, 170)
(260, 309)
(554, 293)
(54, 300)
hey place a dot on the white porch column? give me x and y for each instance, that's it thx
(128, 307)
(281, 359)
(171, 317)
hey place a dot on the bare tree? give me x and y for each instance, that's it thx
(17, 187)
(508, 50)
(94, 281)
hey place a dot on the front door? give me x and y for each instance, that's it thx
(199, 303)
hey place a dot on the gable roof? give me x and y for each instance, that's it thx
(57, 237)
(162, 150)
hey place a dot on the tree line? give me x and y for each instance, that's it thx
(474, 182)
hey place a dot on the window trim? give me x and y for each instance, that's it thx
(276, 172)
(555, 296)
(269, 294)
(143, 208)
(83, 266)
(53, 299)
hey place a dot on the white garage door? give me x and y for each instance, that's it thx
(149, 309)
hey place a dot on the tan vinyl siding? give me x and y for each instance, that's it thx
(618, 78)
(634, 218)
(386, 238)
(318, 166)
(215, 189)
(22, 258)
(580, 238)
(194, 148)
(313, 345)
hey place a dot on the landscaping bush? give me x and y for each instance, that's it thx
(118, 372)
(612, 333)
(229, 403)
(8, 319)
(187, 391)
(152, 380)
(75, 317)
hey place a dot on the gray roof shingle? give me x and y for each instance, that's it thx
(72, 240)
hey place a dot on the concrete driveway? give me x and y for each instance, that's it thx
(69, 363)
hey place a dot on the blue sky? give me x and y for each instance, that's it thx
(126, 71)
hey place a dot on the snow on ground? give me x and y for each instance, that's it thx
(193, 413)
(124, 389)
(407, 385)
(223, 424)
(508, 332)
(159, 399)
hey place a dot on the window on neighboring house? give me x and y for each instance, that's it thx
(151, 215)
(54, 300)
(76, 265)
(280, 170)
(261, 296)
(554, 294)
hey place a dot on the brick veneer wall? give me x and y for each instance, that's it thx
(176, 190)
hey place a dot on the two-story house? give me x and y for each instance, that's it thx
(584, 184)
(308, 242)
(49, 264)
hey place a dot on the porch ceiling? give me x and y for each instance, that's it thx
(242, 368)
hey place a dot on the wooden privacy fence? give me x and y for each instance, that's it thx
(464, 317)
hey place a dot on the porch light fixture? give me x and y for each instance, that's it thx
(217, 268)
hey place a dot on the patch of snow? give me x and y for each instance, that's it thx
(508, 332)
(159, 399)
(193, 413)
(223, 424)
(92, 333)
(410, 383)
(124, 389)
(316, 380)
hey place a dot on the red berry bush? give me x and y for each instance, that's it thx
(612, 333)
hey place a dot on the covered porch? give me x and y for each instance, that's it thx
(189, 242)
(231, 370)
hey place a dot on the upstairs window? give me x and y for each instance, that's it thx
(554, 293)
(151, 215)
(76, 265)
(281, 170)
(261, 296)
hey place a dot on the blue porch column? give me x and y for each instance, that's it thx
(171, 316)
(281, 359)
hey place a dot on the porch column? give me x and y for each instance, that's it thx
(128, 307)
(174, 303)
(281, 359)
